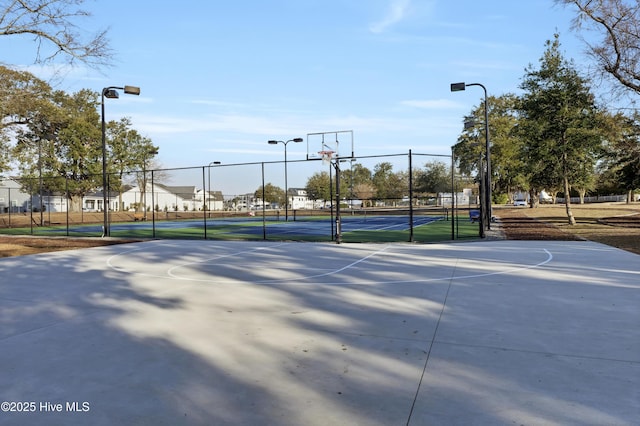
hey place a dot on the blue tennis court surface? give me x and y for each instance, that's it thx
(253, 225)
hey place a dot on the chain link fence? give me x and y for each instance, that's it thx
(397, 197)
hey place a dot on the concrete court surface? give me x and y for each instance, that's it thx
(264, 333)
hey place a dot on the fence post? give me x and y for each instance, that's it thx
(9, 192)
(331, 200)
(153, 204)
(264, 224)
(204, 196)
(66, 194)
(454, 216)
(410, 198)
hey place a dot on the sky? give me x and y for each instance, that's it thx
(219, 79)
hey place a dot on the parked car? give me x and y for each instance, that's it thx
(545, 198)
(520, 203)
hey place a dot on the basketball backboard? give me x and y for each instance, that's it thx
(340, 142)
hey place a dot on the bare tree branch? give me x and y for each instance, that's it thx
(51, 23)
(617, 52)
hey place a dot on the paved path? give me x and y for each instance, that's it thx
(247, 333)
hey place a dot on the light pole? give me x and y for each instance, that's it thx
(151, 152)
(456, 87)
(213, 163)
(286, 188)
(110, 92)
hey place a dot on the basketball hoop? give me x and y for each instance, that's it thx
(326, 156)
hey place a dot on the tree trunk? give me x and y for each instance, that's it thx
(75, 202)
(567, 202)
(534, 198)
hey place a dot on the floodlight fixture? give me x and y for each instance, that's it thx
(457, 87)
(111, 93)
(131, 90)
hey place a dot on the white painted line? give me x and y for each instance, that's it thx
(171, 272)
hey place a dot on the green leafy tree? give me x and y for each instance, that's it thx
(560, 124)
(35, 148)
(434, 178)
(381, 180)
(353, 176)
(398, 186)
(272, 194)
(621, 163)
(318, 186)
(24, 99)
(129, 152)
(79, 145)
(506, 162)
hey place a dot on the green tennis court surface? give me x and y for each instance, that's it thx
(354, 227)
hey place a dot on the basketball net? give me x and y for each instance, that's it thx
(326, 157)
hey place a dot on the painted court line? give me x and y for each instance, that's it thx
(171, 273)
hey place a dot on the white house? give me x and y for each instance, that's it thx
(461, 198)
(213, 200)
(297, 198)
(12, 198)
(171, 198)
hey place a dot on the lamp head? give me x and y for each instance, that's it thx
(272, 142)
(297, 140)
(457, 87)
(131, 90)
(110, 93)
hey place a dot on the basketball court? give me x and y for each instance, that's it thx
(246, 333)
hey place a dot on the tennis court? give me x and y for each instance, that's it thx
(362, 226)
(259, 332)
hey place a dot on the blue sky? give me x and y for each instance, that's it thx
(220, 78)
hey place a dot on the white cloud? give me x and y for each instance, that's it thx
(397, 11)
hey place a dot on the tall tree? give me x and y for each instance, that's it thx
(353, 176)
(560, 124)
(52, 24)
(129, 152)
(382, 173)
(65, 134)
(506, 163)
(35, 149)
(622, 159)
(79, 146)
(434, 178)
(23, 98)
(318, 186)
(272, 194)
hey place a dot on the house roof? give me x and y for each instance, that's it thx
(182, 191)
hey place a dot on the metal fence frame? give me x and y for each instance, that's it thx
(452, 212)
